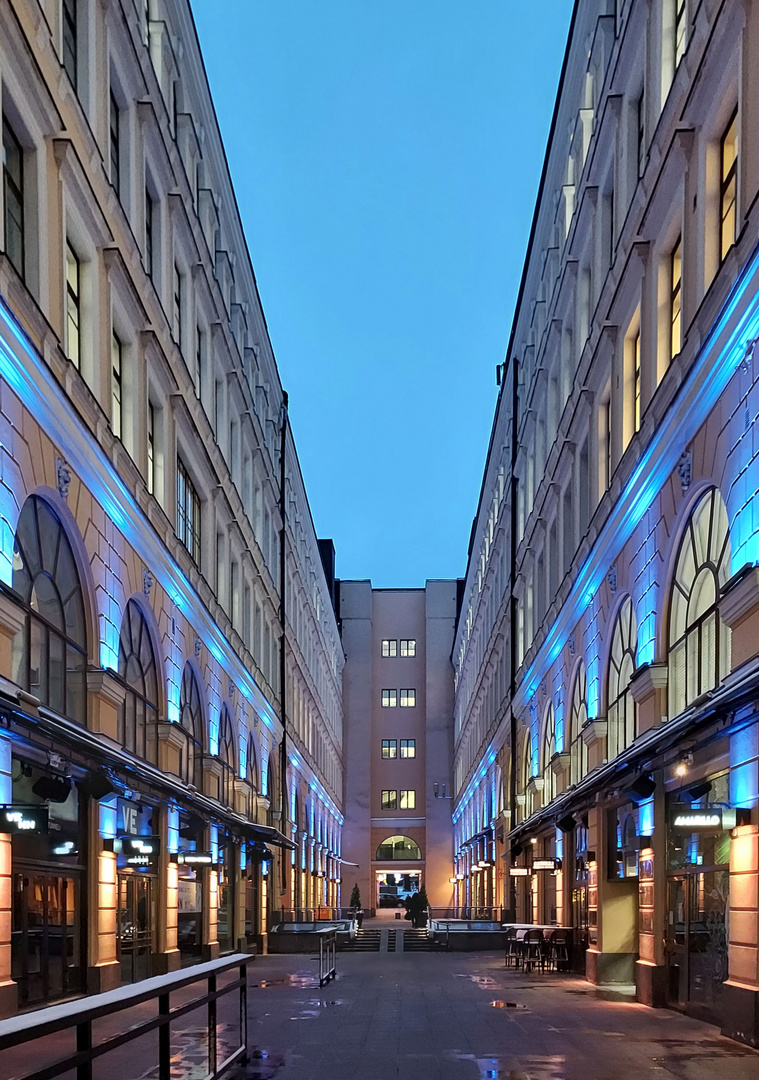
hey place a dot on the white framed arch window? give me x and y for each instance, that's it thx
(549, 749)
(578, 751)
(699, 642)
(622, 715)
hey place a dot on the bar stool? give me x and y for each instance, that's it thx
(558, 949)
(512, 947)
(533, 949)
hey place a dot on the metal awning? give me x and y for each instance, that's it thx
(108, 754)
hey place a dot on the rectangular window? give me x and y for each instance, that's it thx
(636, 382)
(680, 26)
(408, 748)
(115, 145)
(13, 198)
(641, 132)
(73, 306)
(607, 441)
(117, 401)
(389, 647)
(408, 800)
(149, 224)
(389, 748)
(408, 647)
(198, 363)
(728, 185)
(389, 699)
(408, 699)
(69, 40)
(188, 513)
(176, 327)
(389, 800)
(151, 448)
(675, 300)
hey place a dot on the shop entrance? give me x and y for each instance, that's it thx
(46, 950)
(697, 942)
(394, 889)
(136, 926)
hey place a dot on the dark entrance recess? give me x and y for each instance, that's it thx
(46, 941)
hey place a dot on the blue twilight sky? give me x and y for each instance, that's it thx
(386, 158)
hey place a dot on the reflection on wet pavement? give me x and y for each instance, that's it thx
(189, 1059)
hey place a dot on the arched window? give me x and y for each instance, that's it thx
(699, 643)
(50, 653)
(622, 711)
(191, 719)
(398, 848)
(138, 716)
(578, 751)
(228, 759)
(525, 774)
(253, 778)
(549, 749)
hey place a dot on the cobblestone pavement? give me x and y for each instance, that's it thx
(429, 1016)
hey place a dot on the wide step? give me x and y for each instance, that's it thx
(418, 941)
(364, 941)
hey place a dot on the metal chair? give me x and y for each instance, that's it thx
(512, 947)
(533, 951)
(558, 949)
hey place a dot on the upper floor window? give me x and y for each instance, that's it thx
(699, 643)
(622, 711)
(117, 399)
(389, 699)
(138, 716)
(69, 35)
(151, 448)
(728, 184)
(578, 751)
(13, 198)
(408, 699)
(640, 112)
(680, 28)
(188, 513)
(389, 748)
(73, 306)
(389, 800)
(408, 748)
(636, 382)
(199, 346)
(408, 800)
(675, 299)
(50, 652)
(408, 647)
(176, 323)
(149, 234)
(191, 719)
(389, 647)
(114, 138)
(228, 759)
(549, 749)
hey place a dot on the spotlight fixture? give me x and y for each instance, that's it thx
(533, 839)
(683, 764)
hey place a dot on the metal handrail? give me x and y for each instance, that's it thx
(327, 955)
(81, 1014)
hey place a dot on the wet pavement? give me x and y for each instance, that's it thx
(434, 1016)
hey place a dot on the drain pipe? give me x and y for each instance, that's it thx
(283, 627)
(513, 615)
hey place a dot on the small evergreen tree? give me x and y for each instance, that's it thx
(355, 901)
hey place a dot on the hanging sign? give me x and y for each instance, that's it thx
(193, 858)
(519, 871)
(712, 818)
(546, 864)
(138, 852)
(23, 819)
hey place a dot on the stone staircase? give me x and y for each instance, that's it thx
(417, 941)
(364, 941)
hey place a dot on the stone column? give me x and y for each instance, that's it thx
(8, 988)
(741, 991)
(103, 970)
(167, 956)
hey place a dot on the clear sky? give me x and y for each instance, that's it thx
(386, 157)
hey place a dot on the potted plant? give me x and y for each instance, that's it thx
(355, 903)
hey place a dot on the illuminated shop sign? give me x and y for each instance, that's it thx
(546, 864)
(519, 871)
(711, 818)
(194, 858)
(139, 852)
(23, 819)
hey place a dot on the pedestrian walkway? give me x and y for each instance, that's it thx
(443, 1016)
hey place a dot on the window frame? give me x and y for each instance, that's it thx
(140, 648)
(114, 142)
(13, 197)
(389, 798)
(117, 386)
(389, 699)
(70, 41)
(391, 746)
(676, 298)
(188, 523)
(389, 648)
(407, 698)
(728, 180)
(407, 745)
(407, 799)
(408, 647)
(73, 306)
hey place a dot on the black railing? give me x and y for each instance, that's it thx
(82, 1013)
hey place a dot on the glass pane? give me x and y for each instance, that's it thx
(75, 685)
(57, 673)
(38, 660)
(45, 601)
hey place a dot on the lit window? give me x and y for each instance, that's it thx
(390, 748)
(188, 513)
(622, 710)
(389, 800)
(636, 382)
(151, 448)
(408, 748)
(408, 800)
(117, 401)
(728, 184)
(408, 699)
(675, 300)
(549, 749)
(578, 751)
(115, 145)
(389, 699)
(70, 40)
(73, 300)
(408, 647)
(13, 198)
(389, 647)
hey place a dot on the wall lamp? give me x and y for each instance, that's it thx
(438, 790)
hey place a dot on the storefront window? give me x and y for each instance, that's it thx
(190, 893)
(624, 844)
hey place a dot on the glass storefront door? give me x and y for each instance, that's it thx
(136, 926)
(46, 940)
(697, 941)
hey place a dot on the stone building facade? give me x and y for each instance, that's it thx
(160, 800)
(606, 655)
